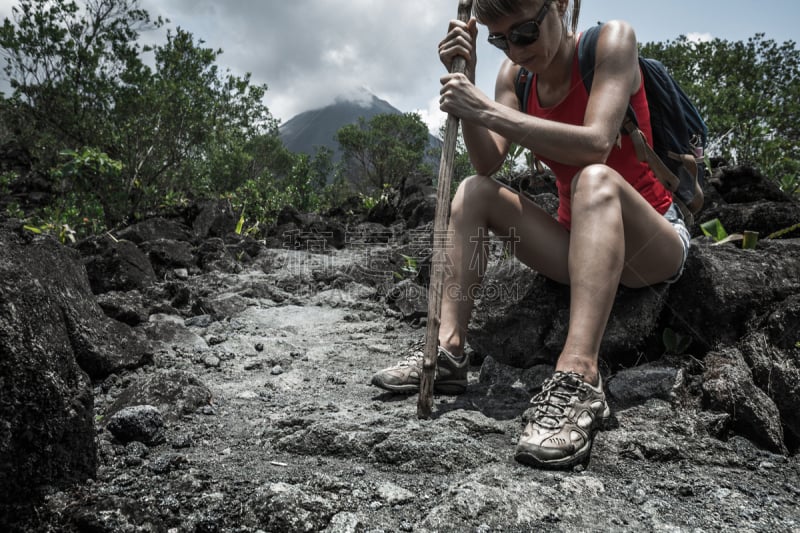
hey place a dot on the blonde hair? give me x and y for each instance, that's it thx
(489, 10)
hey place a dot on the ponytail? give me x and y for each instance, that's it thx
(576, 12)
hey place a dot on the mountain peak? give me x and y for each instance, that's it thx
(360, 96)
(303, 133)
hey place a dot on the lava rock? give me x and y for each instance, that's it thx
(410, 298)
(521, 317)
(724, 287)
(114, 265)
(142, 423)
(285, 507)
(153, 229)
(53, 338)
(728, 386)
(643, 382)
(174, 392)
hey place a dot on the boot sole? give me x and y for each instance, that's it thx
(526, 457)
(448, 388)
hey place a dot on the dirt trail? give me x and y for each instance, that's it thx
(295, 439)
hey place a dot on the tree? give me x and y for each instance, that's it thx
(385, 151)
(180, 127)
(64, 62)
(308, 177)
(188, 127)
(748, 93)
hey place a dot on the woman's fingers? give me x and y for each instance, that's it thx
(459, 42)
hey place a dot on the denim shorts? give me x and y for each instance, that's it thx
(674, 217)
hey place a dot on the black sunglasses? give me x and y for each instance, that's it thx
(524, 34)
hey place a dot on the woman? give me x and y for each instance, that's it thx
(616, 223)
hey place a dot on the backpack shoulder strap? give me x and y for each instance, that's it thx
(587, 52)
(522, 84)
(587, 58)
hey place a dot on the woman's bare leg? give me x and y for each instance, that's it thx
(481, 204)
(616, 237)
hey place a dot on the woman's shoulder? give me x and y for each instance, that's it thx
(508, 68)
(617, 32)
(507, 74)
(506, 84)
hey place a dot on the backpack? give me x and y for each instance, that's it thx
(679, 132)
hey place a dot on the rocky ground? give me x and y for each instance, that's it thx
(270, 424)
(252, 411)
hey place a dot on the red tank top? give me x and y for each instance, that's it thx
(571, 110)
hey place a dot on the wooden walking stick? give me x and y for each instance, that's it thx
(438, 261)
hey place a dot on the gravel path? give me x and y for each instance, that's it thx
(295, 439)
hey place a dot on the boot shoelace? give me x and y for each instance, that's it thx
(552, 402)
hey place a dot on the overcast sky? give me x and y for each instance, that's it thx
(310, 51)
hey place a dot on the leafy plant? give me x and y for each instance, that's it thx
(240, 223)
(6, 179)
(409, 269)
(512, 162)
(714, 229)
(89, 169)
(367, 201)
(13, 210)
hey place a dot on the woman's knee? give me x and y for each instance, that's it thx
(471, 194)
(595, 184)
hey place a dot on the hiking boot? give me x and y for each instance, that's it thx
(450, 377)
(567, 412)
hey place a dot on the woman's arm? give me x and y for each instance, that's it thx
(487, 150)
(616, 78)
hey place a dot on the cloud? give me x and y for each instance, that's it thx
(311, 51)
(433, 116)
(696, 37)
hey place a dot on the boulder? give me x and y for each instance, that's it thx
(168, 254)
(384, 213)
(762, 217)
(212, 254)
(638, 384)
(101, 346)
(772, 351)
(410, 299)
(728, 386)
(46, 404)
(141, 423)
(154, 229)
(304, 231)
(512, 324)
(243, 247)
(115, 265)
(745, 184)
(723, 287)
(418, 207)
(745, 200)
(173, 393)
(127, 307)
(521, 317)
(215, 219)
